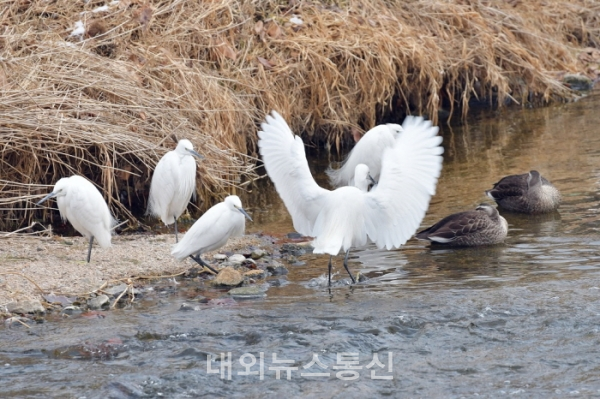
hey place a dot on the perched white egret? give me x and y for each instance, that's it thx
(173, 183)
(222, 221)
(388, 215)
(80, 202)
(368, 151)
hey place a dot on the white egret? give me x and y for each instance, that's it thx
(526, 193)
(173, 183)
(368, 151)
(388, 215)
(222, 221)
(80, 202)
(483, 226)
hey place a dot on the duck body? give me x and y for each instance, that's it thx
(526, 193)
(482, 226)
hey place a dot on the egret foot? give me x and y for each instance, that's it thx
(203, 263)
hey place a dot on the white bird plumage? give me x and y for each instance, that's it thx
(367, 151)
(173, 183)
(221, 222)
(388, 215)
(80, 202)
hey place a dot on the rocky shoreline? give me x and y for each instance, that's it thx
(49, 276)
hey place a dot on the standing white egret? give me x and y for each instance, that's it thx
(368, 150)
(222, 221)
(173, 183)
(80, 202)
(346, 217)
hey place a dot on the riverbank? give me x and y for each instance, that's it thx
(34, 267)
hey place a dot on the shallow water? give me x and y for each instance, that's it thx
(518, 319)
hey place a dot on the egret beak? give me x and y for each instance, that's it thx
(371, 179)
(194, 153)
(52, 194)
(244, 212)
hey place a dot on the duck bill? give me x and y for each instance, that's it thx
(52, 194)
(244, 213)
(196, 154)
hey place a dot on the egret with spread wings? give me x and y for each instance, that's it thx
(388, 215)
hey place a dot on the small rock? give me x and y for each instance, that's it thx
(294, 236)
(220, 257)
(278, 282)
(249, 263)
(578, 82)
(31, 306)
(255, 273)
(292, 249)
(252, 292)
(71, 310)
(236, 259)
(98, 302)
(258, 253)
(186, 307)
(291, 259)
(228, 276)
(116, 290)
(277, 269)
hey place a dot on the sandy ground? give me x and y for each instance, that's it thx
(58, 264)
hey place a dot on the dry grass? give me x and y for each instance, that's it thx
(105, 103)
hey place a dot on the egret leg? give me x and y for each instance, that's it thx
(199, 260)
(330, 270)
(90, 249)
(346, 266)
(176, 239)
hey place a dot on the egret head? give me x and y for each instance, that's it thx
(234, 202)
(185, 147)
(60, 190)
(362, 177)
(395, 128)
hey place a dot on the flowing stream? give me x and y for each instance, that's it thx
(518, 319)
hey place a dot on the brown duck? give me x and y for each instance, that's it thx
(483, 226)
(526, 193)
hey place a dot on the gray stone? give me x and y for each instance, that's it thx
(258, 253)
(220, 257)
(252, 292)
(277, 269)
(99, 301)
(186, 307)
(236, 259)
(116, 290)
(578, 82)
(71, 310)
(292, 249)
(23, 307)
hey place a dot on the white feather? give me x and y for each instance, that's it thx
(213, 229)
(367, 151)
(388, 215)
(173, 183)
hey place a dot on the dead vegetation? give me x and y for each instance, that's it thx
(99, 87)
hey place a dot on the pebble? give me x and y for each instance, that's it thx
(70, 310)
(258, 253)
(236, 259)
(249, 263)
(228, 276)
(277, 269)
(220, 257)
(186, 307)
(99, 301)
(31, 306)
(116, 290)
(252, 292)
(292, 249)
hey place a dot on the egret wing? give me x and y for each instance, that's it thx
(285, 161)
(409, 174)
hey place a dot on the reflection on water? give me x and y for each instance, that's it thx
(519, 318)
